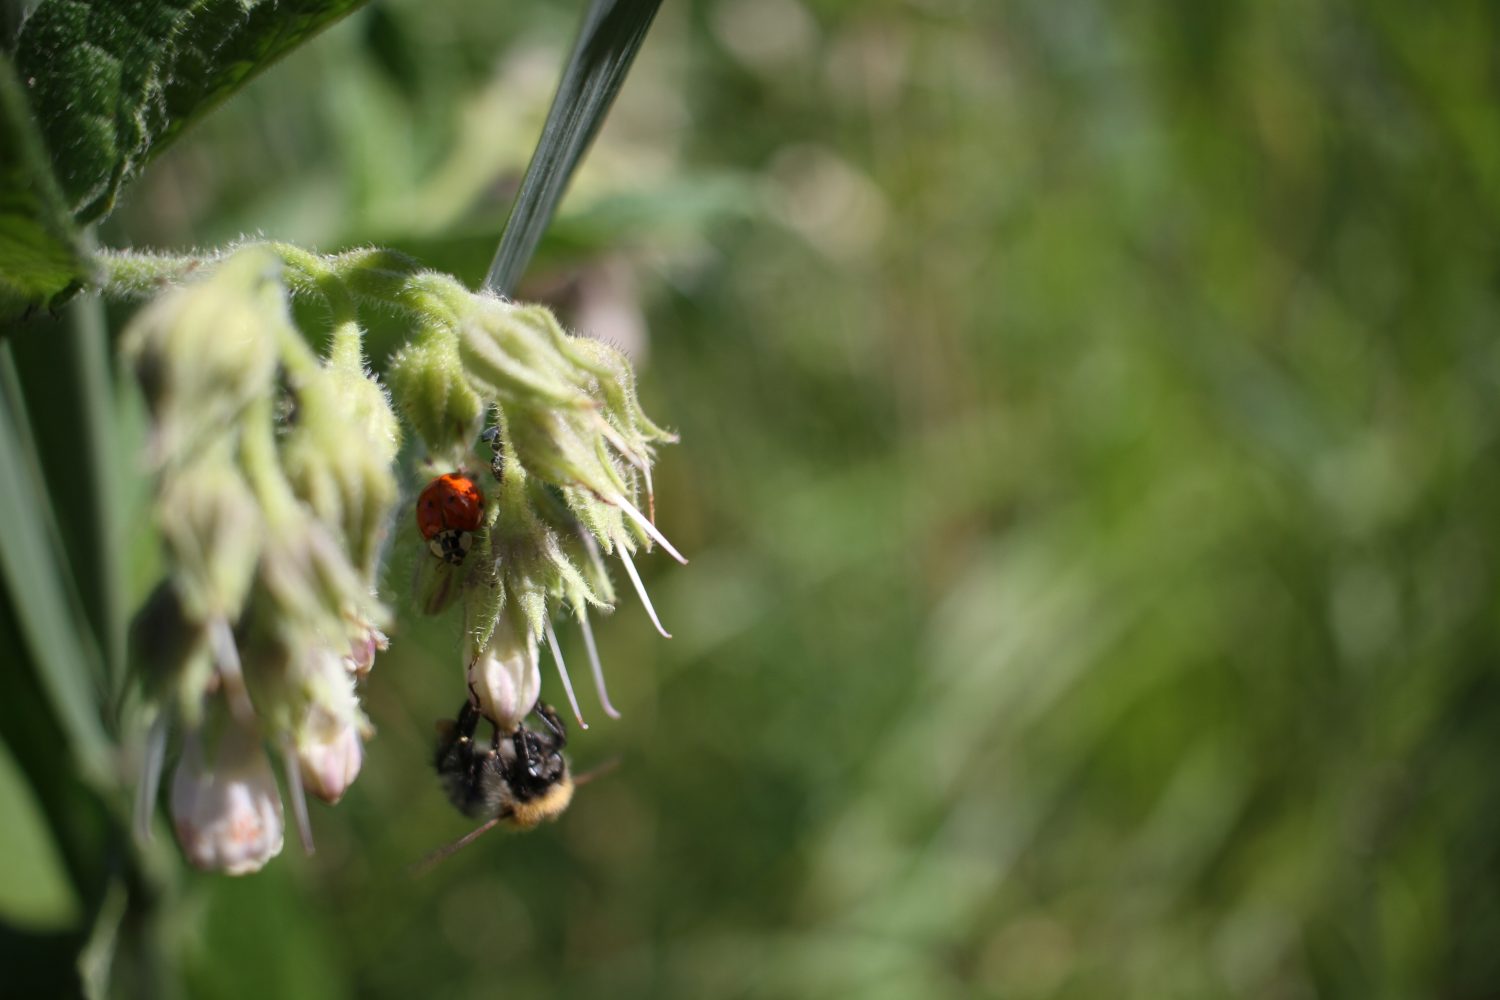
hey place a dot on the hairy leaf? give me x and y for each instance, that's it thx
(114, 81)
(611, 34)
(41, 253)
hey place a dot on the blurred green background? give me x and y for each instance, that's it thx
(1089, 435)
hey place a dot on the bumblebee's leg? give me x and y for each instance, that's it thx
(474, 766)
(530, 763)
(549, 717)
(468, 718)
(526, 755)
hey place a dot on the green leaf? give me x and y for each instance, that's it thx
(114, 81)
(611, 34)
(35, 891)
(41, 253)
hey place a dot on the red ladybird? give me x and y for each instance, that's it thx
(447, 511)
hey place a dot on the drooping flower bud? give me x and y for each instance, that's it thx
(225, 805)
(428, 378)
(318, 597)
(504, 674)
(330, 753)
(337, 448)
(365, 643)
(213, 529)
(514, 357)
(203, 351)
(327, 724)
(615, 389)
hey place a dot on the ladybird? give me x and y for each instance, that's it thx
(449, 508)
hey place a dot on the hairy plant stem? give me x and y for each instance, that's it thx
(377, 277)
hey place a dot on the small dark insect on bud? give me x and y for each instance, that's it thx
(491, 436)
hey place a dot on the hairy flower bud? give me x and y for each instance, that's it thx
(515, 359)
(203, 351)
(428, 379)
(225, 805)
(212, 526)
(337, 453)
(615, 389)
(318, 597)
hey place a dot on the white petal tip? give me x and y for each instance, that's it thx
(640, 589)
(562, 671)
(594, 664)
(651, 530)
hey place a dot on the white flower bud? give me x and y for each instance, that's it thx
(330, 755)
(328, 724)
(362, 650)
(505, 676)
(227, 812)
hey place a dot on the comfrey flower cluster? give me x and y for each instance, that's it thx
(276, 487)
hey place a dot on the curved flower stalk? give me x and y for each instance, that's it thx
(275, 488)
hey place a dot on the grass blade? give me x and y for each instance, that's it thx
(611, 34)
(34, 576)
(62, 372)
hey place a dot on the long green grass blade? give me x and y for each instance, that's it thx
(63, 366)
(611, 34)
(54, 633)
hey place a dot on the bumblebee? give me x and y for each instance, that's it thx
(519, 780)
